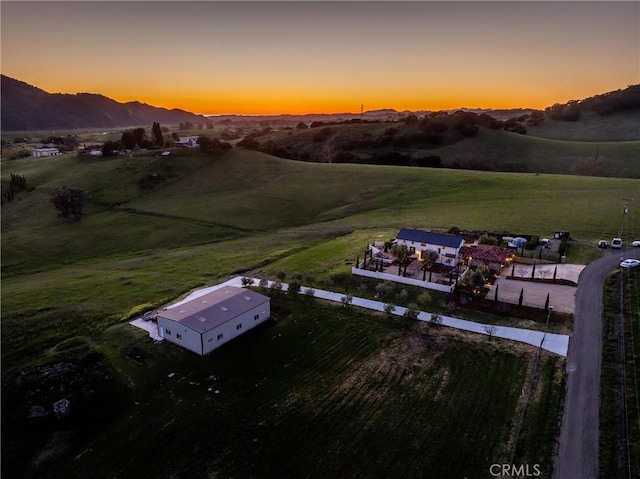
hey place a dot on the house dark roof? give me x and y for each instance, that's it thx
(429, 237)
(212, 309)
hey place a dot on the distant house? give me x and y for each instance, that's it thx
(186, 142)
(39, 152)
(206, 323)
(446, 245)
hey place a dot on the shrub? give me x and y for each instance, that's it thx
(487, 239)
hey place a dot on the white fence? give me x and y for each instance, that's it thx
(401, 279)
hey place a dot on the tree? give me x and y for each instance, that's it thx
(411, 312)
(294, 286)
(110, 148)
(487, 239)
(430, 257)
(435, 320)
(521, 297)
(301, 126)
(157, 133)
(139, 135)
(346, 300)
(424, 299)
(401, 252)
(128, 140)
(546, 303)
(490, 329)
(69, 203)
(384, 289)
(213, 146)
(477, 281)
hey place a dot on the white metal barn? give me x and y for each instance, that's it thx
(205, 323)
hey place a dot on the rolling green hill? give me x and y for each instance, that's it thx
(558, 147)
(68, 290)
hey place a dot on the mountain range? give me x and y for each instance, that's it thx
(25, 107)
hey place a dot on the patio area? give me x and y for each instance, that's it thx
(414, 269)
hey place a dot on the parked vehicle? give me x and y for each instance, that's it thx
(616, 243)
(517, 243)
(636, 244)
(630, 263)
(602, 244)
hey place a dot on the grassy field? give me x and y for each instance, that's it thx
(499, 149)
(324, 391)
(340, 379)
(553, 147)
(619, 126)
(619, 411)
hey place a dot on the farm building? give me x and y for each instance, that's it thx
(45, 152)
(186, 141)
(446, 245)
(207, 322)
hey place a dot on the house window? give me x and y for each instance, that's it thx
(256, 317)
(219, 336)
(209, 340)
(239, 326)
(179, 336)
(168, 331)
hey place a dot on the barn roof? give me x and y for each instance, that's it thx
(430, 237)
(212, 309)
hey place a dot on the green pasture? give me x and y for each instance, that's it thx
(503, 150)
(245, 191)
(68, 290)
(619, 126)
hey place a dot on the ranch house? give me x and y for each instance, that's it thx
(186, 142)
(446, 245)
(39, 152)
(207, 322)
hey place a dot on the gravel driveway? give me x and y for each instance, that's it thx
(561, 297)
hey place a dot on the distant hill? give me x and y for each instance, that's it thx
(25, 107)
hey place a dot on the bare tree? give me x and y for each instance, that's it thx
(490, 329)
(435, 320)
(346, 300)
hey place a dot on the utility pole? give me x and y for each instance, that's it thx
(625, 210)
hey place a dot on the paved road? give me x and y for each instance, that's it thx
(577, 455)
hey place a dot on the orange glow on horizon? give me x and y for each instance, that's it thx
(271, 58)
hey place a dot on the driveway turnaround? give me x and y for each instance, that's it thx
(556, 343)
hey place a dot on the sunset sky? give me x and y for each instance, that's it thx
(324, 57)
